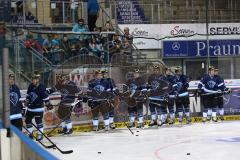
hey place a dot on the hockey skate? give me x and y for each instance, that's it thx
(159, 123)
(214, 119)
(152, 123)
(64, 130)
(112, 126)
(204, 119)
(140, 125)
(131, 124)
(39, 137)
(180, 119)
(106, 128)
(221, 118)
(189, 120)
(68, 132)
(95, 128)
(208, 118)
(171, 121)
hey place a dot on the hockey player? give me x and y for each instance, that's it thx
(36, 97)
(15, 104)
(136, 85)
(68, 89)
(223, 88)
(208, 89)
(172, 81)
(157, 103)
(182, 99)
(97, 85)
(111, 87)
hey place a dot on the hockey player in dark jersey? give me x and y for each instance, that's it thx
(223, 88)
(15, 104)
(208, 88)
(111, 87)
(157, 103)
(136, 85)
(36, 97)
(182, 99)
(172, 81)
(69, 90)
(98, 85)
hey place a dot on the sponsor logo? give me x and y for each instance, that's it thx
(177, 30)
(224, 30)
(139, 32)
(176, 46)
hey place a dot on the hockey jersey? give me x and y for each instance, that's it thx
(181, 84)
(68, 91)
(172, 82)
(37, 95)
(209, 84)
(220, 81)
(15, 103)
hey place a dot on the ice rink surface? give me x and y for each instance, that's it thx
(210, 141)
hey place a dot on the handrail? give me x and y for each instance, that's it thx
(37, 54)
(23, 75)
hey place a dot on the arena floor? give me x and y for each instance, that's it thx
(197, 141)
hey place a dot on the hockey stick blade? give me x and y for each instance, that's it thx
(45, 146)
(63, 152)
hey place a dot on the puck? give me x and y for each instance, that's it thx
(136, 135)
(188, 153)
(137, 131)
(99, 152)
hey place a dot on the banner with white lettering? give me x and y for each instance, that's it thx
(198, 48)
(149, 36)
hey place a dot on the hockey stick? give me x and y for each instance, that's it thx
(125, 123)
(128, 128)
(63, 152)
(45, 146)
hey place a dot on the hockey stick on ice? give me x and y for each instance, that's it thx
(63, 152)
(45, 146)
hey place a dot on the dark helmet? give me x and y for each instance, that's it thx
(11, 76)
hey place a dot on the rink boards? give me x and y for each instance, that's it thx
(88, 127)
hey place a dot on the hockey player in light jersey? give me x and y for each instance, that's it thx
(15, 103)
(209, 90)
(36, 97)
(182, 99)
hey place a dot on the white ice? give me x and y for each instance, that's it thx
(210, 141)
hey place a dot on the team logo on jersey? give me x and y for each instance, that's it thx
(211, 84)
(133, 86)
(14, 98)
(155, 84)
(33, 96)
(179, 86)
(99, 88)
